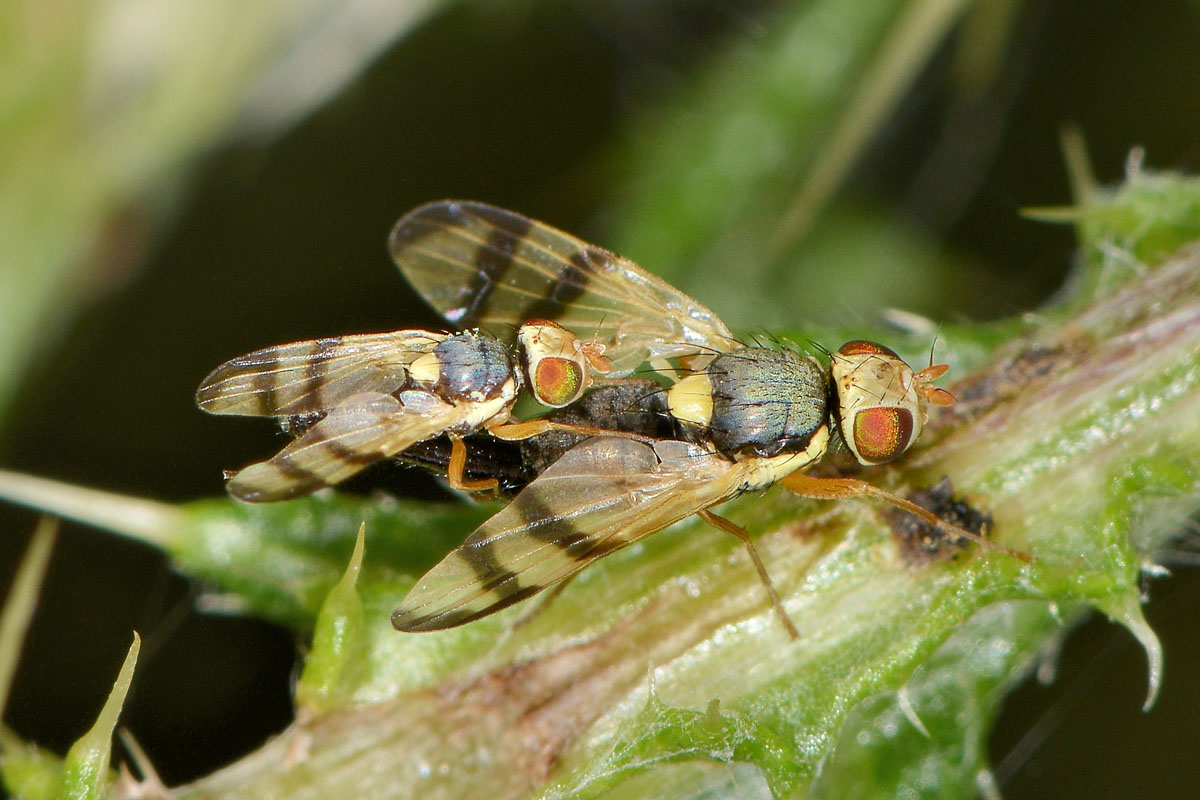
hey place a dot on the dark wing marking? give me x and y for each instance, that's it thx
(364, 429)
(603, 494)
(312, 376)
(483, 266)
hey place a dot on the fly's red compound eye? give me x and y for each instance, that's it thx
(861, 347)
(556, 362)
(557, 381)
(881, 434)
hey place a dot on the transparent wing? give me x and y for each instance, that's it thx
(312, 376)
(483, 266)
(601, 495)
(366, 428)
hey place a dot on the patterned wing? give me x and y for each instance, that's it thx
(362, 430)
(312, 376)
(603, 494)
(483, 266)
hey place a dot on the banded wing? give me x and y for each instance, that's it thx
(363, 429)
(483, 266)
(602, 495)
(312, 376)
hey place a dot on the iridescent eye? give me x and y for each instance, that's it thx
(881, 434)
(556, 382)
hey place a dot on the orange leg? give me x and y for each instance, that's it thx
(739, 533)
(512, 431)
(847, 488)
(458, 463)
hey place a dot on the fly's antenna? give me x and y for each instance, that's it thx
(925, 378)
(593, 349)
(933, 345)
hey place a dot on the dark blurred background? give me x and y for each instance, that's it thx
(283, 237)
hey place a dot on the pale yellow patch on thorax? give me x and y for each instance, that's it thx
(690, 400)
(426, 369)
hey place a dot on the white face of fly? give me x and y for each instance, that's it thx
(880, 401)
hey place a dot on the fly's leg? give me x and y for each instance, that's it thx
(458, 463)
(513, 431)
(847, 488)
(739, 533)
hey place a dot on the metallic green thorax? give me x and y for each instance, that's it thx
(765, 402)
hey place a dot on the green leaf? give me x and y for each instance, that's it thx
(281, 560)
(22, 602)
(27, 771)
(1145, 219)
(929, 737)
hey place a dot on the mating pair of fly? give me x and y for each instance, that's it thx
(550, 313)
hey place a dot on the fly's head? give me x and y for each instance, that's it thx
(558, 364)
(879, 401)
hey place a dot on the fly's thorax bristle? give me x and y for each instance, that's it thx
(554, 362)
(468, 367)
(765, 402)
(878, 409)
